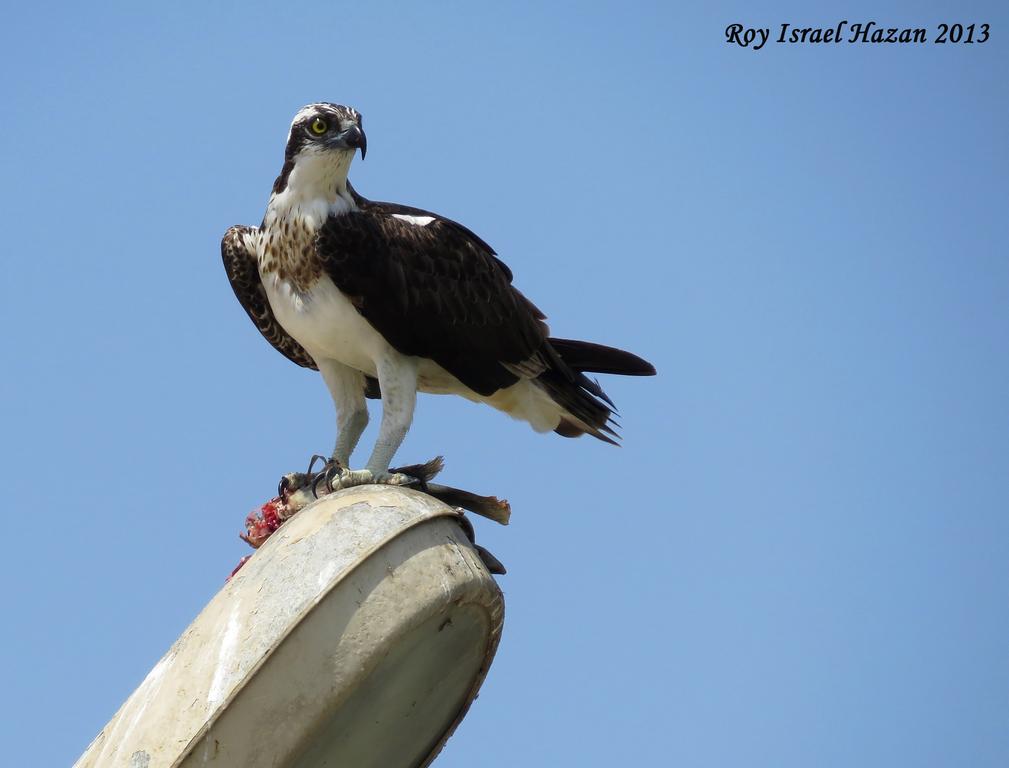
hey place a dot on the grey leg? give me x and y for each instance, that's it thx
(397, 377)
(346, 386)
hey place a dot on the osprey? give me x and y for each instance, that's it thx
(388, 300)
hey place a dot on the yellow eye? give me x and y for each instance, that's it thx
(319, 126)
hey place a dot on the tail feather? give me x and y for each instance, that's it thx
(598, 358)
(589, 410)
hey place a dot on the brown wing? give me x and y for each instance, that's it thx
(243, 272)
(435, 291)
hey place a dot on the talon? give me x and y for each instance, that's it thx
(326, 475)
(285, 485)
(330, 468)
(319, 457)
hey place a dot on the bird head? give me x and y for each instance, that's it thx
(326, 129)
(321, 145)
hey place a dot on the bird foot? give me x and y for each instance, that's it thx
(335, 477)
(299, 489)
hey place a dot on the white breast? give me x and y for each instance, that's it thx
(325, 323)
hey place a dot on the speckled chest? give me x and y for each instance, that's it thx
(287, 250)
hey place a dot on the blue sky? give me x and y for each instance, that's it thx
(800, 556)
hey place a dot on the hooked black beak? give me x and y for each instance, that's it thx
(354, 137)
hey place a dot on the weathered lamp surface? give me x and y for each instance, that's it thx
(358, 635)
